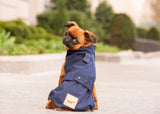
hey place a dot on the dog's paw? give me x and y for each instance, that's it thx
(50, 105)
(96, 105)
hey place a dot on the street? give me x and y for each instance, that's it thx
(121, 88)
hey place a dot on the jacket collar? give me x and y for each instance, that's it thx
(90, 49)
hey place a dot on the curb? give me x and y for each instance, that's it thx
(51, 63)
(126, 56)
(31, 64)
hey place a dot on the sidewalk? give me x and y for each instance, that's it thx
(128, 86)
(121, 89)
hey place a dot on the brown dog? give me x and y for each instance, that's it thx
(81, 39)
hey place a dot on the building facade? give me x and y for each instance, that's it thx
(26, 10)
(140, 11)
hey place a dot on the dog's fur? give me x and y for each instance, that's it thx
(85, 38)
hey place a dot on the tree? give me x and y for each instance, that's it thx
(80, 5)
(53, 20)
(153, 33)
(61, 16)
(122, 31)
(104, 14)
(141, 32)
(155, 5)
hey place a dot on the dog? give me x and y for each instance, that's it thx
(76, 89)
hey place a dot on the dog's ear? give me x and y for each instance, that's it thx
(89, 36)
(69, 24)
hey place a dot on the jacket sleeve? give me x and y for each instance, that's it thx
(62, 73)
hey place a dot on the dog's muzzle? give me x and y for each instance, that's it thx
(69, 41)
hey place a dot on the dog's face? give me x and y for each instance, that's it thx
(76, 37)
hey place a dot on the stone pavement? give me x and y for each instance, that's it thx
(122, 88)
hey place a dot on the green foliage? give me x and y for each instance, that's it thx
(37, 44)
(80, 18)
(46, 20)
(153, 33)
(106, 48)
(6, 39)
(15, 49)
(15, 22)
(79, 5)
(42, 46)
(142, 32)
(104, 14)
(87, 24)
(61, 16)
(98, 30)
(53, 21)
(122, 31)
(34, 46)
(23, 32)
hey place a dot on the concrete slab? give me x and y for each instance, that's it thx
(121, 89)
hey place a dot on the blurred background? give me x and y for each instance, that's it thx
(36, 26)
(127, 53)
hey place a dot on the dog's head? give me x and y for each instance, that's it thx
(75, 37)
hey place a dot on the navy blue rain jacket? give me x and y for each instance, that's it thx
(75, 92)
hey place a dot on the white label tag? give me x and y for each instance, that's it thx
(70, 101)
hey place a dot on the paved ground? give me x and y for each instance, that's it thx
(125, 88)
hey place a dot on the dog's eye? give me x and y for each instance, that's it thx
(75, 41)
(67, 33)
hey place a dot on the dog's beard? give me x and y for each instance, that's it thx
(70, 41)
(68, 44)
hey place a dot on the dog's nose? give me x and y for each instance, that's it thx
(67, 38)
(64, 41)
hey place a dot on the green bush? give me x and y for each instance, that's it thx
(104, 14)
(153, 33)
(45, 20)
(15, 27)
(53, 20)
(6, 39)
(23, 32)
(15, 49)
(79, 5)
(106, 48)
(39, 45)
(78, 11)
(42, 46)
(17, 30)
(72, 15)
(80, 18)
(33, 46)
(98, 30)
(15, 22)
(142, 32)
(122, 31)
